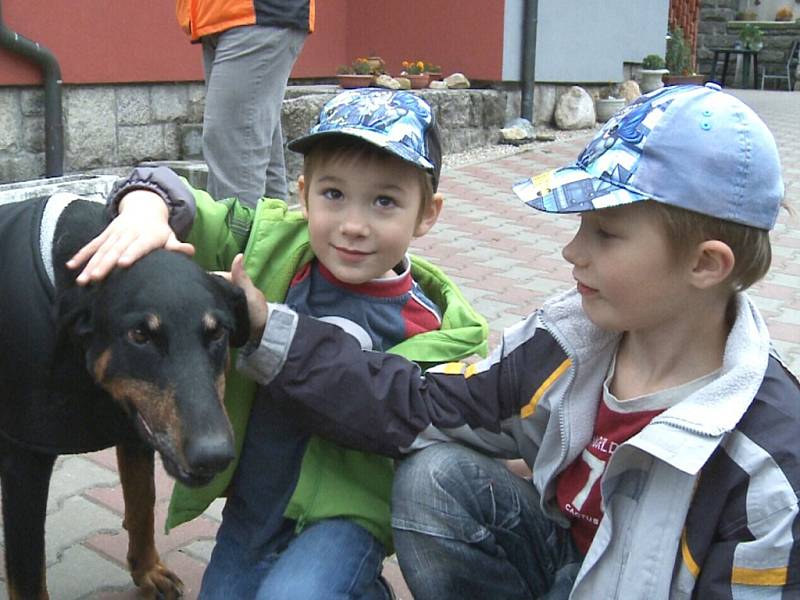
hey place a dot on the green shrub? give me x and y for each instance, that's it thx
(652, 62)
(679, 53)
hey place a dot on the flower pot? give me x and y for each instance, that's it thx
(605, 108)
(419, 81)
(650, 79)
(376, 63)
(355, 81)
(437, 76)
(681, 79)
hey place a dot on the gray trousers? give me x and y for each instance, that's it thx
(246, 70)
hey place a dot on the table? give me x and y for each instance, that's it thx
(750, 56)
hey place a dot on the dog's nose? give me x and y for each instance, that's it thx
(209, 453)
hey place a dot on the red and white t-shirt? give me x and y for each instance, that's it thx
(578, 486)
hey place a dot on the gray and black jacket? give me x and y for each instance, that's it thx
(702, 503)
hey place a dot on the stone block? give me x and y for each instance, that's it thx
(32, 101)
(141, 142)
(513, 104)
(300, 114)
(19, 167)
(33, 134)
(493, 111)
(133, 105)
(90, 132)
(191, 141)
(196, 172)
(172, 140)
(10, 120)
(81, 184)
(544, 103)
(196, 102)
(168, 102)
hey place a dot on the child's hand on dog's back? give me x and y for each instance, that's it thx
(140, 228)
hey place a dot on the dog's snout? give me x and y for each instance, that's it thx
(210, 453)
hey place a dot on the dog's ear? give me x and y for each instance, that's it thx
(236, 302)
(73, 314)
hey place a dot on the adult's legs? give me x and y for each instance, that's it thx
(466, 527)
(334, 559)
(247, 69)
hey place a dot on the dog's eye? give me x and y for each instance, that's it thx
(139, 335)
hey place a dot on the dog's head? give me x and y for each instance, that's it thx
(156, 337)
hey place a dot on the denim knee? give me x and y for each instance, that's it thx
(437, 491)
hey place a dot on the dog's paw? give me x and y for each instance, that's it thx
(159, 583)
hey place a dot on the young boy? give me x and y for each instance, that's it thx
(305, 518)
(660, 427)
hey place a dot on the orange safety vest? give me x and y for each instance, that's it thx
(205, 17)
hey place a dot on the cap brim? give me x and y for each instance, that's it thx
(572, 190)
(305, 143)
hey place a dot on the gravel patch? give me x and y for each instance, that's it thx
(495, 151)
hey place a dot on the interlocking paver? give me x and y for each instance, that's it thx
(507, 259)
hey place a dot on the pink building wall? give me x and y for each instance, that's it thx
(136, 41)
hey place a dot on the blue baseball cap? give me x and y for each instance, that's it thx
(690, 146)
(399, 122)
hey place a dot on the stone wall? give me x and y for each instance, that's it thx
(104, 126)
(718, 29)
(107, 127)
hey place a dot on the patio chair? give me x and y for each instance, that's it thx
(790, 73)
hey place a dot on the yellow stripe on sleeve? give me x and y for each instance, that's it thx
(528, 409)
(765, 577)
(453, 368)
(458, 368)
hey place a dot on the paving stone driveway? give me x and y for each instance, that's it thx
(507, 259)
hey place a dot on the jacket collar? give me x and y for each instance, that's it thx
(686, 434)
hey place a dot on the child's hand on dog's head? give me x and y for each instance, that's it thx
(141, 227)
(256, 302)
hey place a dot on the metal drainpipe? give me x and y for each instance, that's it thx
(530, 18)
(51, 74)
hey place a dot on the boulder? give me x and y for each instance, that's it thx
(517, 131)
(388, 82)
(575, 109)
(629, 90)
(457, 81)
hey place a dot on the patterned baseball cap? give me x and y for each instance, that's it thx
(399, 122)
(690, 146)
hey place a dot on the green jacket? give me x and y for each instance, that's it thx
(333, 481)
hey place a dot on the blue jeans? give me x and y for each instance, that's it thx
(334, 559)
(466, 527)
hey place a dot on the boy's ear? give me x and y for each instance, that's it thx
(713, 263)
(430, 215)
(301, 192)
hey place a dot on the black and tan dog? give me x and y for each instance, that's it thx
(135, 362)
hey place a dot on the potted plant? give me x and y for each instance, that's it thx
(751, 36)
(433, 71)
(414, 71)
(679, 60)
(356, 74)
(653, 69)
(376, 64)
(607, 104)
